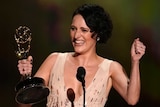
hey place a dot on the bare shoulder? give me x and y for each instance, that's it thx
(49, 61)
(52, 57)
(118, 74)
(115, 67)
(45, 68)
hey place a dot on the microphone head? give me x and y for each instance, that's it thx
(81, 72)
(71, 95)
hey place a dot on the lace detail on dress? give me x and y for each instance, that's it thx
(96, 94)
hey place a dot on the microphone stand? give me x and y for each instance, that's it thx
(84, 92)
(80, 76)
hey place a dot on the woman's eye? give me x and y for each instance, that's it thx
(84, 30)
(72, 28)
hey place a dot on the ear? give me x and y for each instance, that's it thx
(94, 35)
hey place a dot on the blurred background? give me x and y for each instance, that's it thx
(49, 21)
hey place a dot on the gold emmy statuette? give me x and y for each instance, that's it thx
(29, 90)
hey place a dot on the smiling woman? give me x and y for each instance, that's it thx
(90, 25)
(97, 20)
(81, 36)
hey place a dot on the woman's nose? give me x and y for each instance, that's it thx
(77, 34)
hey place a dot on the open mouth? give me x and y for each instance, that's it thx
(78, 42)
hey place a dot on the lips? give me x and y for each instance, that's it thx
(78, 42)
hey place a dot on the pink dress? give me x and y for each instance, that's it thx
(96, 93)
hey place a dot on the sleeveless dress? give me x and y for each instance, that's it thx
(96, 93)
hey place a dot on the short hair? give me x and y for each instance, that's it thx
(97, 19)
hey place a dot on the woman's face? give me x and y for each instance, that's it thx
(81, 36)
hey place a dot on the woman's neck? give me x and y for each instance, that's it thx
(84, 59)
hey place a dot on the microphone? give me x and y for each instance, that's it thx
(71, 96)
(81, 72)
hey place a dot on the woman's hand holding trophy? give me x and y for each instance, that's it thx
(29, 90)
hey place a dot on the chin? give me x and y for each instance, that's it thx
(77, 51)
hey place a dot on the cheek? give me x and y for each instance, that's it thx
(71, 33)
(92, 40)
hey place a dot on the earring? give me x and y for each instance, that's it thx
(98, 38)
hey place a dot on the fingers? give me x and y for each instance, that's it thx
(30, 59)
(139, 47)
(25, 66)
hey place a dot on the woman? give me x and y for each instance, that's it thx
(90, 25)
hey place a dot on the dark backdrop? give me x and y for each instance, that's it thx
(49, 22)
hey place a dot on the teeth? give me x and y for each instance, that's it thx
(79, 41)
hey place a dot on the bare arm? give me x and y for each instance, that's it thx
(129, 89)
(45, 68)
(25, 68)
